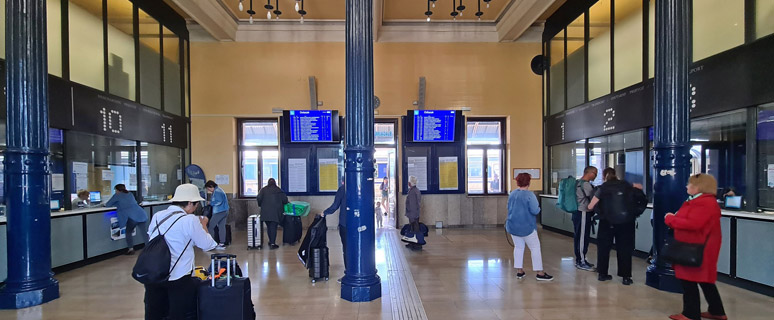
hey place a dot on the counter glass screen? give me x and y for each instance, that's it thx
(311, 126)
(434, 126)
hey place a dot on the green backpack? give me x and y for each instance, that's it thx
(567, 200)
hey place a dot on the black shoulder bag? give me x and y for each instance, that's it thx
(684, 253)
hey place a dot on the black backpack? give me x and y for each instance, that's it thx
(622, 203)
(152, 266)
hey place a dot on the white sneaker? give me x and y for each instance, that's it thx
(412, 239)
(220, 247)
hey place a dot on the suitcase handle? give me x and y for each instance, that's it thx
(216, 256)
(229, 258)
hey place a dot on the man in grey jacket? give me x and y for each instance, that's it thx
(582, 219)
(413, 203)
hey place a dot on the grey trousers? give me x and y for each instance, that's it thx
(219, 220)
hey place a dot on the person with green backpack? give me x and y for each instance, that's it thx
(574, 197)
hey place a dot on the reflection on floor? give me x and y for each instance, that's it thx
(461, 274)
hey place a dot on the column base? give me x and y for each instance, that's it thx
(29, 298)
(663, 279)
(361, 293)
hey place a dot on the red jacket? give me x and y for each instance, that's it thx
(697, 221)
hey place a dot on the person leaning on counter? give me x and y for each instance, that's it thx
(130, 215)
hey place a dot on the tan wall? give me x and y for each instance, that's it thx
(230, 80)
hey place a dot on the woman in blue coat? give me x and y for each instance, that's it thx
(219, 203)
(522, 225)
(130, 215)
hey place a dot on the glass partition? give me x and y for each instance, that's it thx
(172, 92)
(765, 141)
(97, 163)
(623, 152)
(764, 18)
(719, 149)
(718, 25)
(87, 64)
(576, 62)
(54, 36)
(628, 43)
(150, 60)
(567, 159)
(161, 171)
(121, 69)
(599, 49)
(557, 74)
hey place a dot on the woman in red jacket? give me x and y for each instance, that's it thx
(698, 221)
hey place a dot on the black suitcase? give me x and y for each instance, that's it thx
(291, 229)
(227, 297)
(318, 264)
(316, 237)
(216, 234)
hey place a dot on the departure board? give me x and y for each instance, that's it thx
(311, 125)
(434, 125)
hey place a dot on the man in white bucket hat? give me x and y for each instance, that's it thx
(176, 299)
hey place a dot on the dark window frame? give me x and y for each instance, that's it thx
(502, 147)
(241, 148)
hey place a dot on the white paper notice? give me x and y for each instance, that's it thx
(81, 181)
(107, 175)
(554, 177)
(179, 174)
(133, 180)
(221, 179)
(163, 177)
(57, 182)
(80, 167)
(297, 175)
(417, 166)
(770, 176)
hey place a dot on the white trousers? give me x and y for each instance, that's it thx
(533, 242)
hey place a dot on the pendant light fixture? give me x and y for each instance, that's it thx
(268, 7)
(429, 13)
(250, 11)
(277, 11)
(479, 13)
(298, 7)
(241, 6)
(433, 1)
(461, 8)
(487, 3)
(302, 12)
(454, 12)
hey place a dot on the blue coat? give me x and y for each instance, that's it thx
(127, 208)
(219, 201)
(522, 211)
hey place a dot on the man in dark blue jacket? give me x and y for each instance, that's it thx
(338, 203)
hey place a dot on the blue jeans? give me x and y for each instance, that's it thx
(141, 229)
(219, 220)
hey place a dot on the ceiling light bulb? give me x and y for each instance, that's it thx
(251, 19)
(479, 18)
(241, 7)
(268, 15)
(302, 19)
(433, 4)
(428, 19)
(296, 6)
(460, 13)
(487, 5)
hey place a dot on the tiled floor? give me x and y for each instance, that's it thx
(461, 274)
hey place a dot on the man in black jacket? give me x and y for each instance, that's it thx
(620, 204)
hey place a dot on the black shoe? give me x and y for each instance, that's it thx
(588, 263)
(585, 266)
(544, 277)
(520, 275)
(273, 247)
(627, 281)
(605, 277)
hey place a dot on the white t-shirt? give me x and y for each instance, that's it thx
(188, 228)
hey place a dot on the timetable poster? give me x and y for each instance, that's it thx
(417, 166)
(448, 177)
(297, 176)
(329, 175)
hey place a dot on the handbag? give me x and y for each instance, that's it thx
(684, 253)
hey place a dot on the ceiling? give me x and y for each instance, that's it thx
(399, 20)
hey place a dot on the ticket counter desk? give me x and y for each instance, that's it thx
(747, 250)
(81, 236)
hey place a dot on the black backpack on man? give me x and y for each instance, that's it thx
(621, 202)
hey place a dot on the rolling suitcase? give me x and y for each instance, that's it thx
(216, 234)
(291, 229)
(254, 232)
(227, 297)
(316, 237)
(318, 264)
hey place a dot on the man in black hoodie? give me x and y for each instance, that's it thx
(620, 203)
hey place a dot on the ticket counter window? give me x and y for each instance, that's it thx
(96, 164)
(623, 152)
(161, 171)
(765, 141)
(567, 159)
(719, 149)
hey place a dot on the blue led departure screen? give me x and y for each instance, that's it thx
(434, 126)
(311, 126)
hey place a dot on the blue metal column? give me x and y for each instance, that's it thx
(27, 186)
(671, 128)
(360, 283)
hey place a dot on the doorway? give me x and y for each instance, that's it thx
(385, 177)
